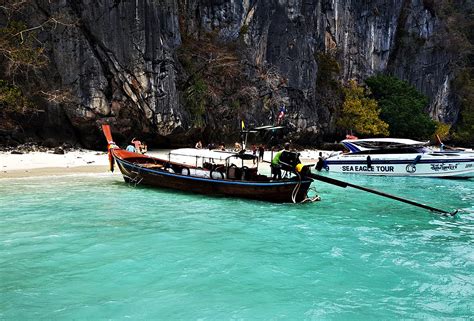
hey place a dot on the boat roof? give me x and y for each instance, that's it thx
(402, 141)
(205, 153)
(211, 154)
(358, 145)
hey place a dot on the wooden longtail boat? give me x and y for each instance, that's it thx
(212, 179)
(229, 179)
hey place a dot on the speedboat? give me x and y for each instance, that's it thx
(400, 157)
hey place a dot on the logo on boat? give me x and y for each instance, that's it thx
(443, 167)
(411, 168)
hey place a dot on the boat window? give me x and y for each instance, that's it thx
(385, 145)
(390, 151)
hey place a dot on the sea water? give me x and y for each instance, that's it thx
(94, 248)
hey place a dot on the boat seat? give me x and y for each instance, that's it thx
(232, 173)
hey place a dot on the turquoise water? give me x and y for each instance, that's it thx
(92, 248)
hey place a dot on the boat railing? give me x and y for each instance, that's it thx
(199, 160)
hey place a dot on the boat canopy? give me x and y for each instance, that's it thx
(198, 157)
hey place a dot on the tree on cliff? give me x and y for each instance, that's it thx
(360, 114)
(402, 107)
(23, 58)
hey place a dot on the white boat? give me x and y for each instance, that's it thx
(400, 157)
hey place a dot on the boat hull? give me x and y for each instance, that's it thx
(421, 165)
(274, 191)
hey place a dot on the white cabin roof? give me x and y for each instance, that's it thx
(403, 141)
(357, 145)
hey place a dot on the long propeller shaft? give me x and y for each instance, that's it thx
(365, 189)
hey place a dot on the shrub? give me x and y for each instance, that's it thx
(402, 107)
(360, 113)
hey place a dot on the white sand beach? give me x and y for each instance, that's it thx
(47, 163)
(84, 161)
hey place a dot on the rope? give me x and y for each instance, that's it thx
(135, 180)
(296, 189)
(315, 198)
(306, 199)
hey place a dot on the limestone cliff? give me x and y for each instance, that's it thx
(170, 71)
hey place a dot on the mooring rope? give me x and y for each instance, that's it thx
(134, 180)
(296, 189)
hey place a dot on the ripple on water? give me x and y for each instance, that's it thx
(88, 247)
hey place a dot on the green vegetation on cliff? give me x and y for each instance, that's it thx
(457, 16)
(212, 81)
(402, 107)
(464, 133)
(20, 49)
(12, 98)
(360, 114)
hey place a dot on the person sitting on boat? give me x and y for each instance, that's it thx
(137, 145)
(131, 148)
(143, 148)
(198, 145)
(237, 147)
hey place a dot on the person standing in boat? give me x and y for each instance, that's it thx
(276, 166)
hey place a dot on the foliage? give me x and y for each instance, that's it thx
(464, 133)
(235, 104)
(459, 43)
(328, 69)
(12, 98)
(214, 84)
(329, 94)
(360, 113)
(21, 50)
(442, 130)
(402, 107)
(196, 97)
(244, 30)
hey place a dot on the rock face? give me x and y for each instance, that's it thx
(119, 61)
